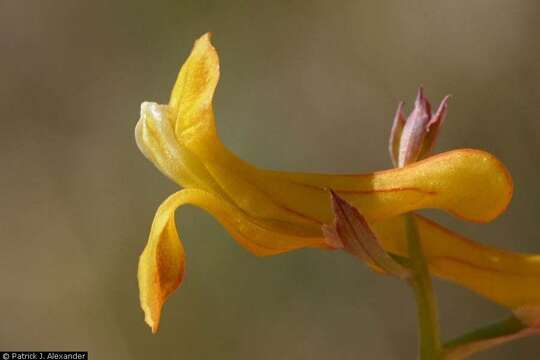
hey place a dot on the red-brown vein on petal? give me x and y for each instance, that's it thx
(250, 244)
(375, 191)
(272, 200)
(476, 245)
(365, 192)
(282, 206)
(478, 267)
(304, 216)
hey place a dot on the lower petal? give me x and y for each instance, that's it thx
(508, 278)
(161, 265)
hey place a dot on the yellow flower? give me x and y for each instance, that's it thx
(270, 212)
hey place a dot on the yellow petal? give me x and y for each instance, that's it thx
(191, 98)
(471, 184)
(155, 137)
(161, 265)
(508, 278)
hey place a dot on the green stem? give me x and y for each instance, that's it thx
(428, 321)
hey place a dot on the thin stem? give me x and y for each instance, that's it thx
(428, 320)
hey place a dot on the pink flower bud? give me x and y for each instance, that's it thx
(412, 139)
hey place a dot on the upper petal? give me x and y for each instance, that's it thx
(470, 184)
(191, 97)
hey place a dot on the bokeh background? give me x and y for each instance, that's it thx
(305, 86)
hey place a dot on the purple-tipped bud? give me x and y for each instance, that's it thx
(351, 232)
(432, 130)
(412, 139)
(395, 134)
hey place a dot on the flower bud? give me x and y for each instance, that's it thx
(412, 139)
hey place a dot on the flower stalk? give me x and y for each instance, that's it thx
(351, 233)
(411, 140)
(426, 302)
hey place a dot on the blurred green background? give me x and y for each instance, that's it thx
(305, 86)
